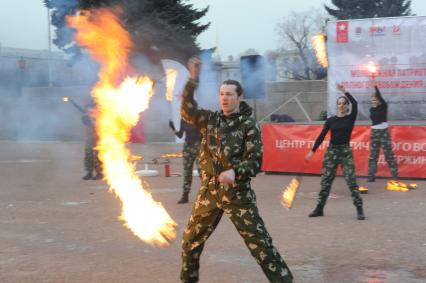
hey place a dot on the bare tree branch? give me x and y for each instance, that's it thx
(295, 32)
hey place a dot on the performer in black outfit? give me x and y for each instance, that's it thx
(380, 137)
(338, 152)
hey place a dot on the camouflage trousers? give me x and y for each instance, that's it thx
(191, 151)
(335, 155)
(91, 160)
(381, 138)
(238, 202)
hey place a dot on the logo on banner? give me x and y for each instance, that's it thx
(377, 31)
(396, 30)
(342, 31)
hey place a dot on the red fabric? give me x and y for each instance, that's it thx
(285, 147)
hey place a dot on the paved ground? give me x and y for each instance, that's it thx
(54, 227)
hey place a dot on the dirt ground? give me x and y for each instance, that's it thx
(55, 227)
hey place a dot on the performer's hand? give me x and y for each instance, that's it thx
(227, 177)
(194, 66)
(341, 88)
(309, 155)
(172, 126)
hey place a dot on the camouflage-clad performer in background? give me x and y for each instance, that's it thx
(231, 153)
(380, 137)
(91, 160)
(191, 151)
(338, 152)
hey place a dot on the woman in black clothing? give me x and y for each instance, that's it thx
(380, 136)
(338, 152)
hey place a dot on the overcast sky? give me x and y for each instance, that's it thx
(236, 25)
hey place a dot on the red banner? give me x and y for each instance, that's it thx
(342, 31)
(285, 147)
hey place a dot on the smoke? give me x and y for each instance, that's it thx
(32, 85)
(64, 35)
(207, 93)
(253, 74)
(252, 71)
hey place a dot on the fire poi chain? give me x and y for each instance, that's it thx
(121, 95)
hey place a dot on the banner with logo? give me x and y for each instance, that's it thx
(285, 147)
(387, 52)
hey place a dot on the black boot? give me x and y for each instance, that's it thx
(88, 176)
(318, 211)
(98, 176)
(360, 213)
(184, 198)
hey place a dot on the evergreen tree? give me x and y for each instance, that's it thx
(361, 9)
(159, 28)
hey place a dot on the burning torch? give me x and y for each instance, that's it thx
(78, 107)
(290, 191)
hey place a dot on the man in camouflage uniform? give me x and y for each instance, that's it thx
(231, 153)
(191, 151)
(91, 160)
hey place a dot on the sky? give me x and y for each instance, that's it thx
(236, 25)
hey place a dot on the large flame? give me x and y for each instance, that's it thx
(393, 185)
(289, 193)
(120, 98)
(171, 75)
(318, 42)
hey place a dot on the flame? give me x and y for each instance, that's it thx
(318, 43)
(172, 155)
(120, 98)
(171, 75)
(372, 68)
(289, 193)
(400, 186)
(136, 157)
(363, 190)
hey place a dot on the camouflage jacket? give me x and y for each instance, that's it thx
(227, 142)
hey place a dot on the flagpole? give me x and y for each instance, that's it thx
(49, 45)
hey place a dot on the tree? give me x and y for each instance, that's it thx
(361, 9)
(295, 33)
(159, 28)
